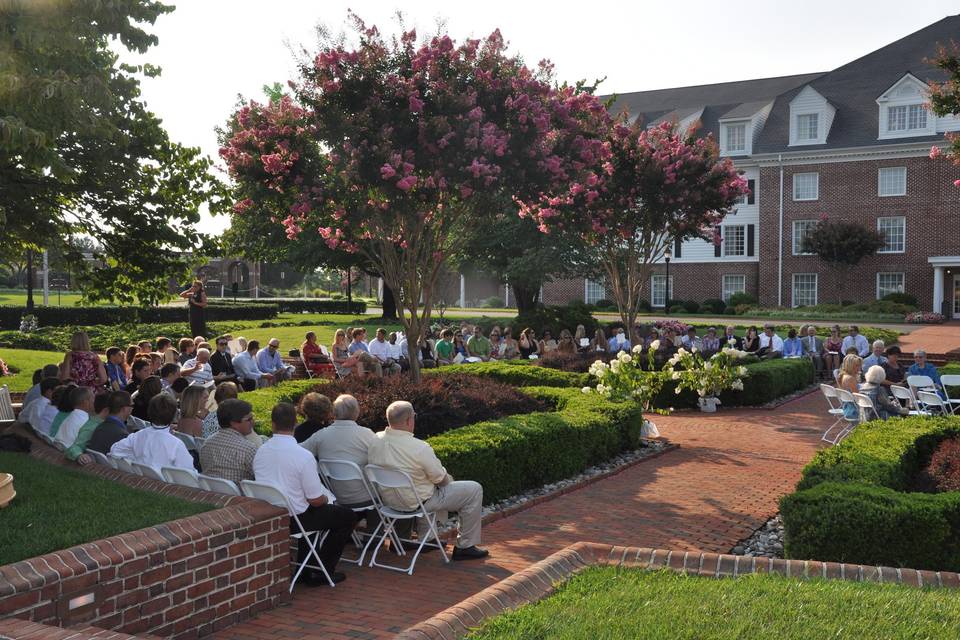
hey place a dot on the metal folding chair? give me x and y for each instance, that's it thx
(122, 464)
(6, 405)
(218, 485)
(314, 539)
(932, 402)
(830, 393)
(101, 458)
(951, 380)
(181, 475)
(905, 394)
(148, 471)
(845, 396)
(382, 478)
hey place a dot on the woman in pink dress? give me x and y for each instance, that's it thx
(81, 365)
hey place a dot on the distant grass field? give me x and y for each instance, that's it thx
(27, 362)
(19, 299)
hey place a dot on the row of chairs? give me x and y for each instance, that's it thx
(374, 479)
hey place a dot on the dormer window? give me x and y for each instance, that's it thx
(808, 127)
(811, 116)
(906, 117)
(736, 138)
(902, 110)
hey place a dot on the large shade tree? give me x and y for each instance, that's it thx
(663, 186)
(397, 150)
(80, 154)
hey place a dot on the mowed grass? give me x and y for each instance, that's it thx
(57, 508)
(27, 361)
(19, 299)
(606, 603)
(291, 334)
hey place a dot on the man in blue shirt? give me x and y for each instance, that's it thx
(792, 346)
(269, 361)
(877, 357)
(618, 342)
(114, 426)
(921, 367)
(116, 373)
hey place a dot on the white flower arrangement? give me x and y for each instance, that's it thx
(708, 378)
(624, 378)
(28, 323)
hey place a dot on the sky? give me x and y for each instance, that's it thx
(212, 50)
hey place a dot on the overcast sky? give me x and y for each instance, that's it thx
(212, 50)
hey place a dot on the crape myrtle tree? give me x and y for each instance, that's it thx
(842, 246)
(662, 185)
(945, 96)
(397, 150)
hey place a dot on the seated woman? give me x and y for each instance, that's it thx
(599, 342)
(832, 347)
(496, 344)
(566, 343)
(849, 380)
(580, 339)
(885, 404)
(318, 411)
(150, 387)
(751, 341)
(548, 344)
(652, 336)
(344, 361)
(528, 344)
(511, 350)
(313, 357)
(193, 411)
(710, 342)
(459, 346)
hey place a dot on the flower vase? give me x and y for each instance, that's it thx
(649, 430)
(708, 404)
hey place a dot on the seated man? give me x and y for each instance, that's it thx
(269, 361)
(81, 399)
(397, 448)
(618, 342)
(52, 413)
(381, 350)
(876, 357)
(169, 374)
(792, 346)
(33, 412)
(198, 370)
(855, 341)
(290, 467)
(155, 445)
(101, 407)
(691, 341)
(221, 362)
(344, 439)
(444, 347)
(116, 372)
(227, 453)
(711, 343)
(813, 349)
(771, 345)
(248, 372)
(48, 371)
(478, 346)
(359, 348)
(398, 350)
(730, 339)
(114, 426)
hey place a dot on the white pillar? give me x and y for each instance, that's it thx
(937, 289)
(463, 291)
(586, 285)
(506, 295)
(380, 290)
(46, 279)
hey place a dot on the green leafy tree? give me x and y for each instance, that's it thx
(80, 154)
(842, 246)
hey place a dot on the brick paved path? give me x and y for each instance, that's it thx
(718, 487)
(938, 338)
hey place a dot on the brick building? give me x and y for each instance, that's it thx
(851, 144)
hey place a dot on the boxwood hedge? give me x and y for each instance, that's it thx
(112, 315)
(857, 502)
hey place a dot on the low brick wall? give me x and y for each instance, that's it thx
(539, 580)
(13, 629)
(181, 579)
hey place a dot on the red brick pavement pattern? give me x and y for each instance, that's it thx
(718, 487)
(938, 338)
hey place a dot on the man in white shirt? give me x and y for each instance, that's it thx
(292, 469)
(247, 370)
(269, 361)
(82, 400)
(32, 413)
(155, 445)
(34, 393)
(198, 370)
(381, 349)
(855, 340)
(397, 448)
(771, 345)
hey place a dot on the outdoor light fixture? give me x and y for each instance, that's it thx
(666, 287)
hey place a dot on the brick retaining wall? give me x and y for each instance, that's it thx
(181, 579)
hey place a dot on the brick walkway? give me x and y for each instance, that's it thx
(718, 487)
(937, 338)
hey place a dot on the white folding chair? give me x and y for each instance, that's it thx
(830, 393)
(122, 464)
(189, 441)
(59, 446)
(845, 396)
(181, 475)
(314, 539)
(6, 405)
(905, 394)
(218, 485)
(920, 383)
(136, 424)
(339, 471)
(836, 376)
(867, 410)
(148, 471)
(381, 478)
(101, 458)
(951, 380)
(933, 403)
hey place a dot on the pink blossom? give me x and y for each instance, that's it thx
(387, 172)
(407, 183)
(416, 104)
(935, 152)
(465, 192)
(956, 183)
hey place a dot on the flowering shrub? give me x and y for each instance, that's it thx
(678, 328)
(624, 378)
(707, 378)
(4, 371)
(924, 317)
(28, 323)
(944, 467)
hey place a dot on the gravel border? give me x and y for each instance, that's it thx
(765, 542)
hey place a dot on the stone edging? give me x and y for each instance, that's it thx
(539, 580)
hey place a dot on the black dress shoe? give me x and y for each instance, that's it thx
(469, 553)
(317, 579)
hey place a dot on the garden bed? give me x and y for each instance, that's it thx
(859, 501)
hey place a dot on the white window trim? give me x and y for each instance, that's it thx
(793, 238)
(587, 284)
(920, 97)
(902, 275)
(794, 189)
(747, 138)
(667, 292)
(904, 218)
(879, 182)
(793, 289)
(723, 284)
(724, 253)
(795, 140)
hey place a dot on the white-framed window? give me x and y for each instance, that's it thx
(906, 117)
(594, 290)
(808, 126)
(804, 289)
(894, 232)
(736, 138)
(658, 290)
(733, 283)
(734, 240)
(806, 186)
(889, 283)
(892, 181)
(801, 229)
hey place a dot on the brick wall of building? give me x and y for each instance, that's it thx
(181, 579)
(848, 191)
(705, 281)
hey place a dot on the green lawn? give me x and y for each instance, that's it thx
(606, 603)
(57, 508)
(27, 361)
(19, 299)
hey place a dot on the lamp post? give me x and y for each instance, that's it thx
(666, 285)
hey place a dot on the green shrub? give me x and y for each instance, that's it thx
(902, 298)
(217, 310)
(555, 319)
(606, 304)
(738, 299)
(493, 302)
(336, 305)
(101, 336)
(678, 308)
(765, 381)
(857, 502)
(520, 373)
(713, 305)
(692, 306)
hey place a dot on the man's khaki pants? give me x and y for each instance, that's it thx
(466, 498)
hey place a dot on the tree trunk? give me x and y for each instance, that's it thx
(526, 297)
(349, 288)
(389, 304)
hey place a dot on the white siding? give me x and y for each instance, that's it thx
(810, 101)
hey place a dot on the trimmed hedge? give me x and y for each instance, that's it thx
(102, 336)
(520, 373)
(112, 315)
(858, 502)
(316, 306)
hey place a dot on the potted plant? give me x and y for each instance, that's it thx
(6, 489)
(708, 378)
(624, 378)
